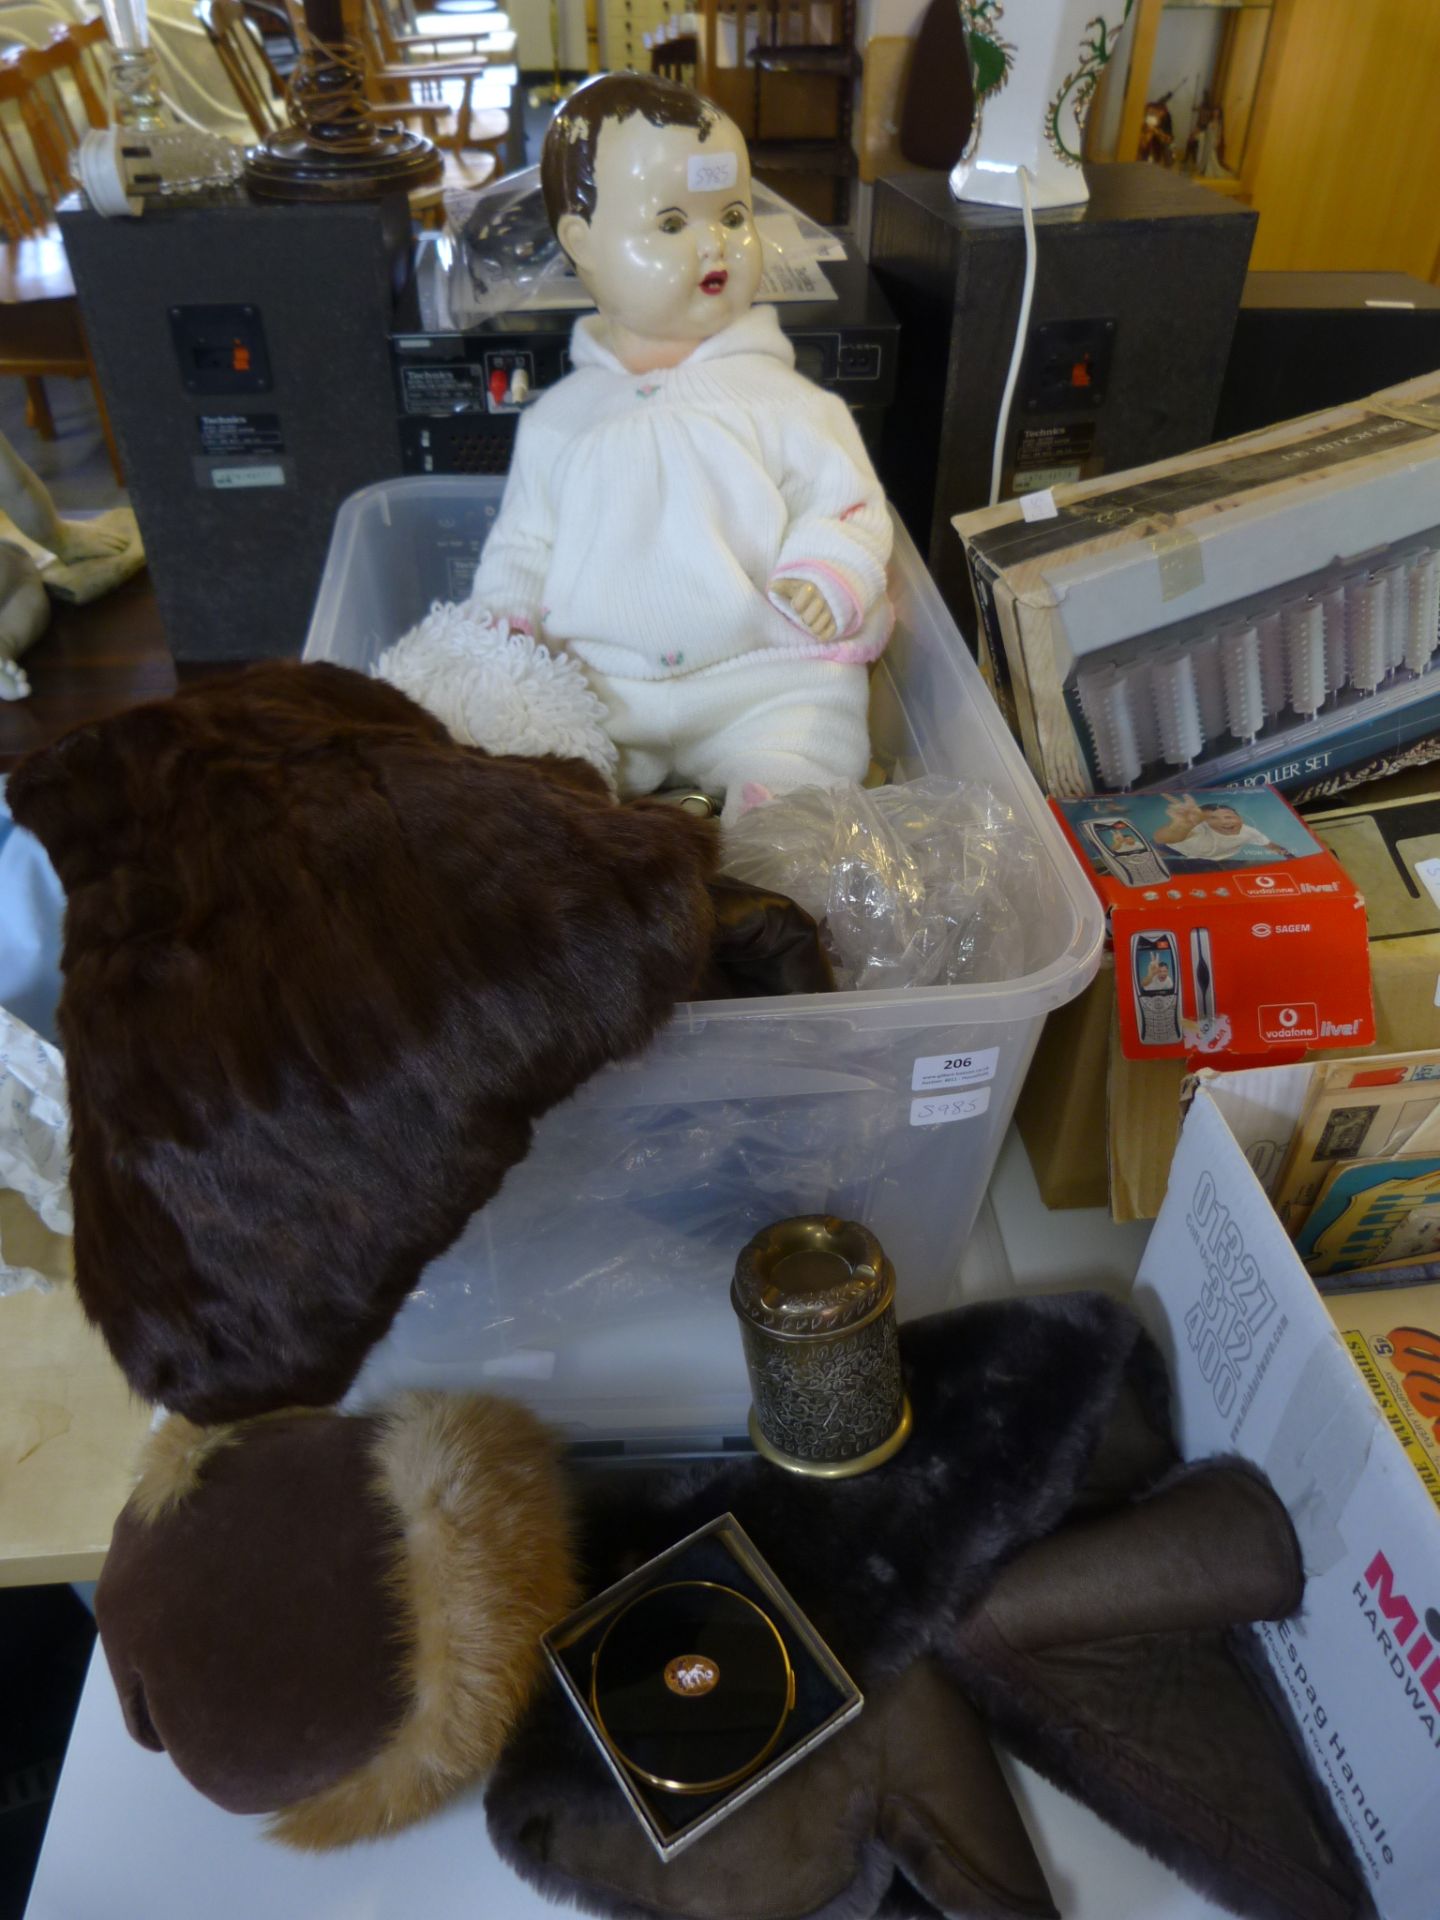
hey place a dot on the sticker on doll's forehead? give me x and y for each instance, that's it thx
(711, 172)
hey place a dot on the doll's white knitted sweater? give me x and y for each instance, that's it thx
(646, 514)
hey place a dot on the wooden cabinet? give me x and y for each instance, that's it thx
(1183, 88)
(1331, 112)
(1346, 172)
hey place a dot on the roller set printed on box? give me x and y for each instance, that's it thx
(1264, 669)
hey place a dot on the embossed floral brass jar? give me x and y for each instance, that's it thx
(815, 1297)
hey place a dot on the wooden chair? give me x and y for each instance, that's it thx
(487, 40)
(442, 92)
(466, 136)
(240, 48)
(40, 330)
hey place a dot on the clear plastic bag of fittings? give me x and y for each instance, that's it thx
(122, 168)
(929, 883)
(498, 254)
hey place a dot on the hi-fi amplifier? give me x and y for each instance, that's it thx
(460, 395)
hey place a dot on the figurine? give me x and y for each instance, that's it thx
(1205, 149)
(1157, 132)
(694, 521)
(91, 556)
(24, 616)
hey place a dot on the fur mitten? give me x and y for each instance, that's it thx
(1037, 1502)
(496, 687)
(1101, 1655)
(337, 1619)
(324, 969)
(764, 944)
(911, 1789)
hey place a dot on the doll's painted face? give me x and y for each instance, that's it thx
(671, 251)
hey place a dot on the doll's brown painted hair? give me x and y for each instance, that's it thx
(567, 160)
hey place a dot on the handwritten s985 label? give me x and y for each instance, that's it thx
(937, 1071)
(939, 1109)
(711, 172)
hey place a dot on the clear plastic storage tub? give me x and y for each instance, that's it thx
(595, 1285)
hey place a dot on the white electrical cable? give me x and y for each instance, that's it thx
(1022, 329)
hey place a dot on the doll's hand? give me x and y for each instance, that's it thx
(807, 607)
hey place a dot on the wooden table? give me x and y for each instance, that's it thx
(69, 1426)
(90, 661)
(70, 1430)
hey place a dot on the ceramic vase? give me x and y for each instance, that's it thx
(1035, 65)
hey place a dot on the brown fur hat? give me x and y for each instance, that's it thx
(323, 970)
(336, 1618)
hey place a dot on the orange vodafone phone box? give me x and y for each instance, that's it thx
(1237, 936)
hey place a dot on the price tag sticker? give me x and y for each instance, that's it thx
(941, 1070)
(939, 1109)
(711, 172)
(1427, 872)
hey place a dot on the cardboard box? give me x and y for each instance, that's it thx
(1393, 1336)
(1143, 1104)
(1236, 935)
(1110, 623)
(1259, 1369)
(1142, 1124)
(1061, 1109)
(1381, 846)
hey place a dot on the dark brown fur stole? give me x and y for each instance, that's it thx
(324, 968)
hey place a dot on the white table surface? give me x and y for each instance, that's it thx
(129, 1840)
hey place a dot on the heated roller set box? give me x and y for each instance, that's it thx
(1265, 612)
(1236, 934)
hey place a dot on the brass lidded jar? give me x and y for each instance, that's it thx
(815, 1297)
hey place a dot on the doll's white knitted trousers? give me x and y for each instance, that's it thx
(749, 731)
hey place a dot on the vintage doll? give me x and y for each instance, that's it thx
(689, 517)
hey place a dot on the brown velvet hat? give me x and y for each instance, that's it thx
(336, 1619)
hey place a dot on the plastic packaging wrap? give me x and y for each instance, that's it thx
(503, 255)
(661, 1194)
(34, 1142)
(924, 884)
(669, 1163)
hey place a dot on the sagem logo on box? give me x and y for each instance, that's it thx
(1410, 1650)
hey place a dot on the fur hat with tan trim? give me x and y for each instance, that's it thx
(336, 1618)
